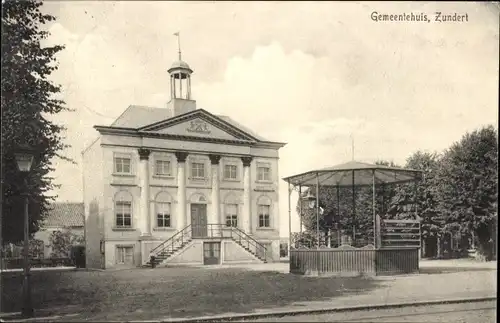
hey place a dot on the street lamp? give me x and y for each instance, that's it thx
(313, 203)
(24, 159)
(311, 199)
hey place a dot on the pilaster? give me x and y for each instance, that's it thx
(247, 189)
(181, 189)
(145, 216)
(215, 216)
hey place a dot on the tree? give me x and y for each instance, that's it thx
(28, 99)
(341, 211)
(384, 193)
(466, 186)
(419, 197)
(62, 241)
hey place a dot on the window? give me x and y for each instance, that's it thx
(123, 211)
(124, 255)
(263, 173)
(198, 170)
(232, 215)
(230, 172)
(122, 165)
(162, 168)
(264, 217)
(163, 215)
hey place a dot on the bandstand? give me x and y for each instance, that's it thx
(383, 255)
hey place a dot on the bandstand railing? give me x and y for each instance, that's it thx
(397, 252)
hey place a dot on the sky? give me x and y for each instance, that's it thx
(312, 74)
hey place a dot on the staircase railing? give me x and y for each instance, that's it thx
(247, 241)
(174, 241)
(211, 231)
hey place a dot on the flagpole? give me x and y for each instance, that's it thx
(178, 43)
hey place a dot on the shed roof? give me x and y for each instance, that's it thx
(65, 215)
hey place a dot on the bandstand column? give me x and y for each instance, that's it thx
(181, 189)
(215, 216)
(290, 217)
(374, 213)
(145, 216)
(300, 210)
(247, 189)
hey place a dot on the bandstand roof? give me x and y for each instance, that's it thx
(355, 173)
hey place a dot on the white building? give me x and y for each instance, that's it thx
(200, 186)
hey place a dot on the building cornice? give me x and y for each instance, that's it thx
(129, 132)
(196, 152)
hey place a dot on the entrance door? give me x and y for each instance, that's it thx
(199, 220)
(211, 253)
(125, 255)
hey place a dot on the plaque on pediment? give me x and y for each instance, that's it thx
(198, 126)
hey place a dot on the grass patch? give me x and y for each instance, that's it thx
(140, 294)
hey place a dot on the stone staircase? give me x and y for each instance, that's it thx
(250, 251)
(182, 238)
(164, 255)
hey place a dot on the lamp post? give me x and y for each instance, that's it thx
(24, 159)
(313, 204)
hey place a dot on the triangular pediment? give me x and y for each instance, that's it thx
(196, 127)
(199, 123)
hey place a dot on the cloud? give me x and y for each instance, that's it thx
(309, 75)
(61, 35)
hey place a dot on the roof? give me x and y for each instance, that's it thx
(64, 214)
(140, 116)
(242, 127)
(136, 116)
(355, 173)
(180, 65)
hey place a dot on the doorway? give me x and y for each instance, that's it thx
(124, 255)
(211, 253)
(199, 220)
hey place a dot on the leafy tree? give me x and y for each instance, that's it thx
(28, 99)
(62, 241)
(341, 211)
(466, 186)
(36, 248)
(328, 201)
(384, 192)
(420, 197)
(305, 239)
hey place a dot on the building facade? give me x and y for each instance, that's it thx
(157, 173)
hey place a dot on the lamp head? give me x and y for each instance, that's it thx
(311, 200)
(24, 154)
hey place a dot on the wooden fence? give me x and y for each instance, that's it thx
(365, 261)
(393, 261)
(17, 263)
